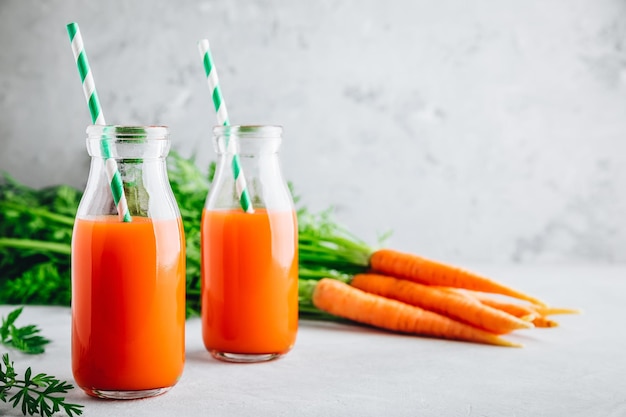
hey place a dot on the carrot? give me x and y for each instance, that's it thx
(345, 301)
(543, 321)
(535, 314)
(515, 309)
(530, 318)
(455, 306)
(523, 312)
(415, 268)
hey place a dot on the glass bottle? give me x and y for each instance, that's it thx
(249, 259)
(128, 275)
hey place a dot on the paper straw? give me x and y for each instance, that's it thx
(222, 118)
(97, 117)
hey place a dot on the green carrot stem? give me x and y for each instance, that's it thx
(322, 273)
(306, 254)
(358, 256)
(334, 241)
(336, 250)
(330, 263)
(315, 273)
(36, 245)
(40, 212)
(316, 257)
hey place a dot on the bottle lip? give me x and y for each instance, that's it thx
(127, 132)
(257, 131)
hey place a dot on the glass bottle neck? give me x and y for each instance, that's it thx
(251, 153)
(128, 142)
(247, 141)
(128, 161)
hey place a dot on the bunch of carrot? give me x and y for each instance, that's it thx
(406, 293)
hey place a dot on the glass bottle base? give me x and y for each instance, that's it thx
(244, 357)
(126, 395)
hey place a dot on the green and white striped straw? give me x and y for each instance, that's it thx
(222, 118)
(97, 117)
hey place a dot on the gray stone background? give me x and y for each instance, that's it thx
(477, 131)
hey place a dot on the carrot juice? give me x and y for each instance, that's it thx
(249, 283)
(128, 304)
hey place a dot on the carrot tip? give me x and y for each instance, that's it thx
(508, 343)
(529, 318)
(548, 311)
(544, 322)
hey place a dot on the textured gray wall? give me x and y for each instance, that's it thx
(478, 131)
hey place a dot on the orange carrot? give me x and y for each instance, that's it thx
(515, 309)
(518, 310)
(529, 317)
(543, 321)
(343, 300)
(535, 314)
(455, 306)
(415, 268)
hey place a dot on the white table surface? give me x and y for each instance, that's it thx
(577, 369)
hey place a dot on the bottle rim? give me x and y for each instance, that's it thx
(243, 131)
(127, 132)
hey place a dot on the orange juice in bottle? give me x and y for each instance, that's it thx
(128, 275)
(249, 259)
